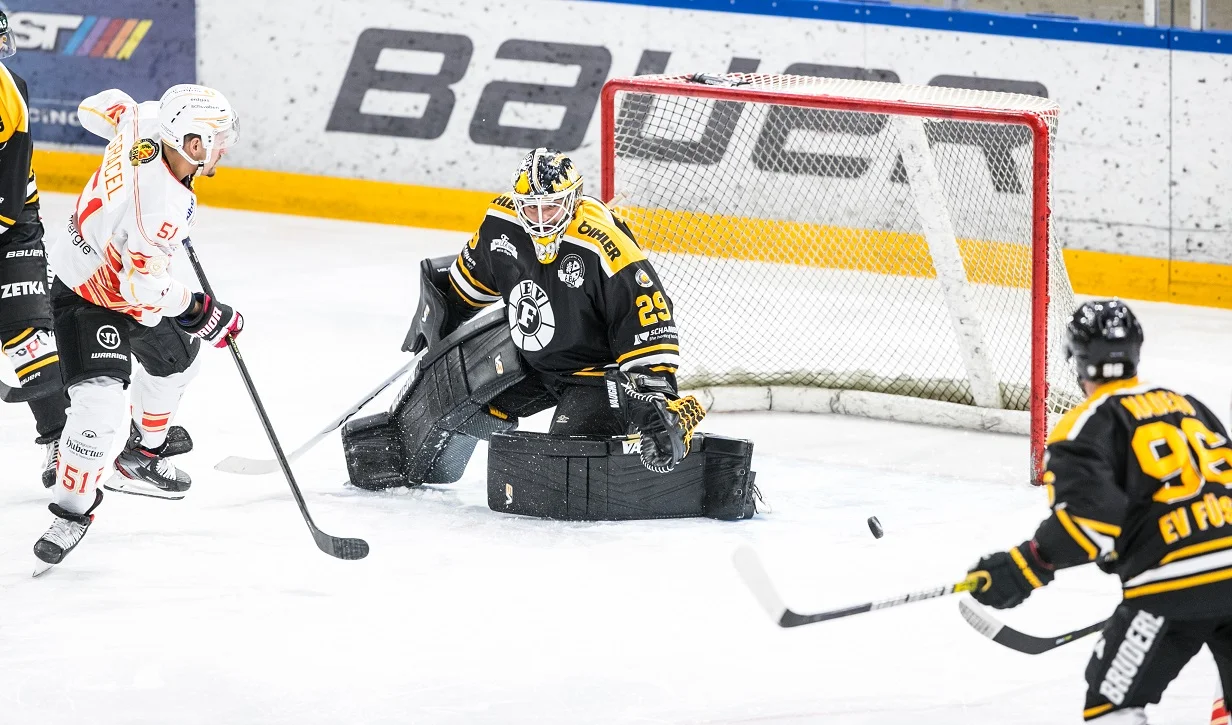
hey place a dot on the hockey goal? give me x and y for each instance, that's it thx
(850, 246)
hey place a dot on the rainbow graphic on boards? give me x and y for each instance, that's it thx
(102, 37)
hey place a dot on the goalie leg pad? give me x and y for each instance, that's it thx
(575, 478)
(431, 431)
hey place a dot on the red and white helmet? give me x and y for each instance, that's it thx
(196, 110)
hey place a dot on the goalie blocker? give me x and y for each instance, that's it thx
(431, 431)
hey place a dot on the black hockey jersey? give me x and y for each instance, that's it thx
(1139, 478)
(598, 304)
(17, 187)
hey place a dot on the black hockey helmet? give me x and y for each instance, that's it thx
(1104, 339)
(8, 46)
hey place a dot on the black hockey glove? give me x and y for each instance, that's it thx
(213, 321)
(654, 410)
(1014, 575)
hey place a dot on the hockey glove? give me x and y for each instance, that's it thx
(664, 420)
(214, 322)
(1014, 575)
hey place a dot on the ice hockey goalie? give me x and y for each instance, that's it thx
(589, 329)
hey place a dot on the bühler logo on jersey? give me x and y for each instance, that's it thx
(531, 320)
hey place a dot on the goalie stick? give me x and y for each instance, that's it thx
(750, 568)
(259, 466)
(341, 548)
(987, 625)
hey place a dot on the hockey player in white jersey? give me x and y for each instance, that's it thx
(114, 298)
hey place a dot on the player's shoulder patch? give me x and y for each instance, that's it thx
(143, 151)
(596, 228)
(1076, 419)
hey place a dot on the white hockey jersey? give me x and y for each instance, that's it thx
(129, 221)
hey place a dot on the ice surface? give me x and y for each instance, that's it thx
(219, 609)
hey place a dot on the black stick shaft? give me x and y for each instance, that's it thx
(252, 393)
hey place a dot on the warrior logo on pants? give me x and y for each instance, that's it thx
(531, 320)
(108, 337)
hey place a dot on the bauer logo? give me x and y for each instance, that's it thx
(94, 36)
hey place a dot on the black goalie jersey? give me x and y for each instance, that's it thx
(599, 303)
(1139, 478)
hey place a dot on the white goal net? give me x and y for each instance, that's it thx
(853, 246)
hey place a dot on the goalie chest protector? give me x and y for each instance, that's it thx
(582, 478)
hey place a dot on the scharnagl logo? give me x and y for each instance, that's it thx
(95, 36)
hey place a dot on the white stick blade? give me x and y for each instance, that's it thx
(750, 568)
(246, 466)
(979, 619)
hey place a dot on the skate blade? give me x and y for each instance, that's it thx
(122, 484)
(40, 568)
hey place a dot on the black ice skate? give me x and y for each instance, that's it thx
(53, 460)
(66, 531)
(143, 472)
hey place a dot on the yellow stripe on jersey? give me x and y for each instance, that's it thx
(465, 297)
(637, 352)
(1172, 585)
(1098, 526)
(1079, 412)
(1094, 712)
(663, 369)
(13, 110)
(1077, 535)
(1196, 549)
(471, 278)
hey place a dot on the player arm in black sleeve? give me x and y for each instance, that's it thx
(16, 148)
(1088, 507)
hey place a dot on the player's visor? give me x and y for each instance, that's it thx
(8, 46)
(545, 215)
(231, 136)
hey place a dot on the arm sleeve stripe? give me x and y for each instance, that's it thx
(667, 358)
(466, 289)
(646, 350)
(1077, 535)
(479, 286)
(1099, 526)
(1016, 555)
(98, 113)
(6, 221)
(463, 295)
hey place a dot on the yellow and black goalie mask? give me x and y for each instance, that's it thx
(546, 189)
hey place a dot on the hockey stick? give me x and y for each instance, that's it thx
(748, 564)
(332, 545)
(987, 625)
(9, 394)
(259, 466)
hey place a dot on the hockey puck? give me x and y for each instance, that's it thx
(875, 526)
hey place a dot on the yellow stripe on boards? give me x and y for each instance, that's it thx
(988, 262)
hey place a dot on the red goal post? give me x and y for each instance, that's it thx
(846, 191)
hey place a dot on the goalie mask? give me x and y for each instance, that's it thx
(1104, 340)
(546, 189)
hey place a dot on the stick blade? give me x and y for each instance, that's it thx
(749, 567)
(340, 548)
(246, 466)
(24, 395)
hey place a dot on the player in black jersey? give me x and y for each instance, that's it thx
(1138, 477)
(25, 313)
(587, 328)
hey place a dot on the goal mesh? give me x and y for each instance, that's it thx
(797, 253)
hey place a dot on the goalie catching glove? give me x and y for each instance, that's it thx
(653, 409)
